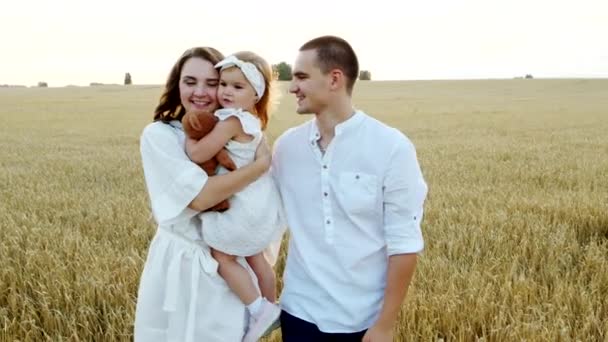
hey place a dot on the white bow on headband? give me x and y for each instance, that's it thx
(251, 72)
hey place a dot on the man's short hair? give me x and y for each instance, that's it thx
(335, 53)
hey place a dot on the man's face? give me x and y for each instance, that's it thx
(310, 86)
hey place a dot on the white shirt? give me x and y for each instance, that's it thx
(181, 297)
(348, 211)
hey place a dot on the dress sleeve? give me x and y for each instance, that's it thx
(172, 180)
(251, 124)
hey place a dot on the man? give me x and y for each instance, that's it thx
(353, 194)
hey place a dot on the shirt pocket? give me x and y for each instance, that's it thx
(358, 192)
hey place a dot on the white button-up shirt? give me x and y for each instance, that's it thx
(348, 210)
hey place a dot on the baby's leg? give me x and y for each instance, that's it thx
(265, 275)
(236, 276)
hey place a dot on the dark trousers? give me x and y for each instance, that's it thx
(294, 329)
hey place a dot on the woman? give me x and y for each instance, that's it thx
(181, 297)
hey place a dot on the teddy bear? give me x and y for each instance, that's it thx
(197, 124)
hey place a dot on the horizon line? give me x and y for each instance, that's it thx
(99, 84)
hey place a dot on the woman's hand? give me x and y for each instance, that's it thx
(220, 187)
(190, 143)
(263, 155)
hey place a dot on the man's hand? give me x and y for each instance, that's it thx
(399, 274)
(379, 333)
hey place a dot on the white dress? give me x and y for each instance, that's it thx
(181, 297)
(255, 218)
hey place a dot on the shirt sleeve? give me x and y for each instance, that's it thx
(172, 180)
(404, 194)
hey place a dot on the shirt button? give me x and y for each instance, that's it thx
(328, 221)
(357, 177)
(325, 166)
(325, 194)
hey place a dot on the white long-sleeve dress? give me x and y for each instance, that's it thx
(181, 297)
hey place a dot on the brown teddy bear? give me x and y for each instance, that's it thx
(197, 124)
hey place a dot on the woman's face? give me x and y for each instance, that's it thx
(198, 84)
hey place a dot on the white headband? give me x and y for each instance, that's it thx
(251, 72)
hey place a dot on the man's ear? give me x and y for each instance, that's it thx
(337, 79)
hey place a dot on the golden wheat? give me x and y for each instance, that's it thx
(516, 221)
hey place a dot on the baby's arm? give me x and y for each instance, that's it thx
(202, 150)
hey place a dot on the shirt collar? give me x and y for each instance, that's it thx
(343, 127)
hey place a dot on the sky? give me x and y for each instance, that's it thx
(76, 42)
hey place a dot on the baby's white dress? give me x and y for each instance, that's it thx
(255, 218)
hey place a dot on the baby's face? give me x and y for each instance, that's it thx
(235, 91)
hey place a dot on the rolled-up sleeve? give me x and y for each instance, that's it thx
(405, 192)
(172, 180)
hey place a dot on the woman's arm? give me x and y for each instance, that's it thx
(219, 188)
(202, 150)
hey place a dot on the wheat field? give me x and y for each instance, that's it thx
(516, 220)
